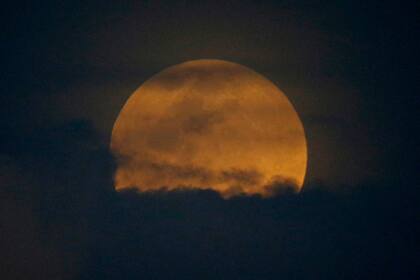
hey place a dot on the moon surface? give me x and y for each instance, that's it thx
(209, 124)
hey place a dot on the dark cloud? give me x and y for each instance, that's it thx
(151, 170)
(184, 118)
(66, 222)
(349, 69)
(247, 177)
(202, 122)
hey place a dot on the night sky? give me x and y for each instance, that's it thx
(348, 67)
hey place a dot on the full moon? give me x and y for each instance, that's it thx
(209, 124)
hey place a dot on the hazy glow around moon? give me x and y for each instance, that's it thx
(209, 124)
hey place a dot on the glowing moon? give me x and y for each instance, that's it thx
(209, 124)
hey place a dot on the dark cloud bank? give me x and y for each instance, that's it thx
(61, 219)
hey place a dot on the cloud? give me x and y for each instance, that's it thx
(65, 222)
(240, 176)
(172, 176)
(187, 117)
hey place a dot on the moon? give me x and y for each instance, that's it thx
(209, 124)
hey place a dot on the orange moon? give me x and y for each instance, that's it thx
(209, 124)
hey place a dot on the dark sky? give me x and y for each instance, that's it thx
(349, 68)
